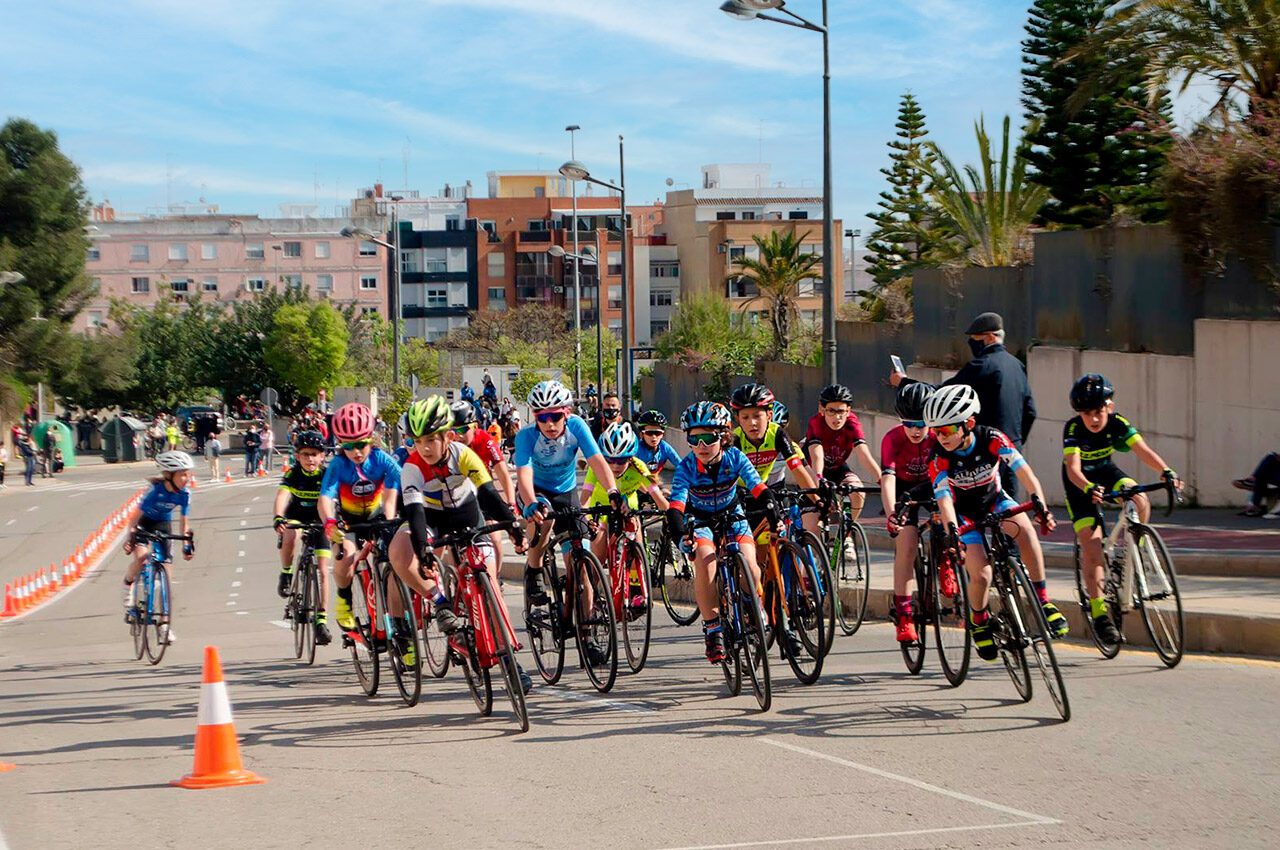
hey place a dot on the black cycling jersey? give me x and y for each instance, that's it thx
(1096, 450)
(305, 492)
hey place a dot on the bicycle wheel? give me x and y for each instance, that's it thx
(1037, 634)
(1010, 640)
(637, 621)
(402, 637)
(310, 607)
(138, 629)
(543, 623)
(815, 553)
(504, 652)
(1108, 650)
(435, 643)
(852, 576)
(913, 651)
(364, 644)
(675, 566)
(159, 614)
(950, 614)
(478, 681)
(807, 610)
(1157, 594)
(594, 622)
(750, 641)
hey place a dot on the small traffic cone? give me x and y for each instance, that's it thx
(227, 477)
(6, 767)
(217, 762)
(54, 584)
(10, 603)
(21, 594)
(38, 596)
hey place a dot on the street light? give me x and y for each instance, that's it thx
(853, 250)
(369, 236)
(748, 10)
(577, 276)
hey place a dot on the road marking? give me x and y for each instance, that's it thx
(255, 498)
(242, 537)
(239, 569)
(617, 705)
(284, 624)
(231, 604)
(11, 522)
(33, 508)
(243, 523)
(246, 510)
(3, 845)
(233, 595)
(75, 495)
(903, 833)
(240, 554)
(244, 613)
(235, 584)
(915, 783)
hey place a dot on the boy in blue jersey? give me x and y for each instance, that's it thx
(706, 484)
(155, 514)
(654, 451)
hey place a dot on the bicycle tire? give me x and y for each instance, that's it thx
(543, 623)
(637, 624)
(159, 614)
(595, 625)
(364, 646)
(805, 608)
(812, 543)
(673, 558)
(478, 681)
(1108, 650)
(1171, 625)
(1009, 639)
(310, 608)
(408, 678)
(504, 652)
(138, 629)
(435, 643)
(913, 651)
(854, 578)
(772, 611)
(755, 658)
(950, 619)
(731, 667)
(1041, 641)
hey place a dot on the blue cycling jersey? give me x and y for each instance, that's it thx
(358, 490)
(160, 503)
(554, 461)
(657, 459)
(713, 489)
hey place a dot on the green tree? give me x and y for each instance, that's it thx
(706, 337)
(905, 237)
(987, 211)
(307, 346)
(100, 370)
(419, 359)
(778, 274)
(1101, 156)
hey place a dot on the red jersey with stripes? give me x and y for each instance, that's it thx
(485, 446)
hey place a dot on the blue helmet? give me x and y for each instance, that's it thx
(780, 414)
(705, 414)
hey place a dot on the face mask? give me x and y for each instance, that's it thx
(977, 346)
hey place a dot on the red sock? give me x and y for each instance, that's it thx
(902, 604)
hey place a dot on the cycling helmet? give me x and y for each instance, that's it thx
(174, 461)
(546, 395)
(655, 418)
(835, 392)
(464, 413)
(951, 406)
(705, 414)
(352, 422)
(780, 414)
(1091, 392)
(403, 424)
(308, 440)
(619, 440)
(430, 415)
(751, 395)
(911, 400)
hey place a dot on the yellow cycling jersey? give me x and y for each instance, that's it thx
(634, 479)
(775, 445)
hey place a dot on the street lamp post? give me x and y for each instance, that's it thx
(853, 251)
(369, 236)
(577, 278)
(747, 10)
(587, 256)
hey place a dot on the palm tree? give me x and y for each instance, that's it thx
(777, 275)
(988, 215)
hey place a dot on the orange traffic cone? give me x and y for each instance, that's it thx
(10, 603)
(4, 767)
(217, 763)
(227, 477)
(54, 584)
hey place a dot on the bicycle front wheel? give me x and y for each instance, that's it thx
(637, 606)
(159, 614)
(675, 581)
(435, 643)
(950, 612)
(1157, 595)
(310, 608)
(750, 637)
(364, 643)
(1011, 641)
(913, 651)
(543, 623)
(1037, 634)
(807, 609)
(851, 569)
(403, 648)
(1108, 650)
(593, 613)
(504, 652)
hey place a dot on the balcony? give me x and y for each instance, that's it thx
(543, 236)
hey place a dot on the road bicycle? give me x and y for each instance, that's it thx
(629, 578)
(672, 577)
(152, 613)
(303, 604)
(741, 615)
(1138, 573)
(931, 605)
(377, 630)
(852, 575)
(576, 603)
(1019, 623)
(486, 638)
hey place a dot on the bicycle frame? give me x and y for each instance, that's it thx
(1129, 574)
(470, 559)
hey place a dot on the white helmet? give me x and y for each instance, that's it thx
(951, 406)
(619, 440)
(550, 394)
(174, 461)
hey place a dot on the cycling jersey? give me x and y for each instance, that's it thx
(836, 445)
(636, 478)
(554, 461)
(160, 503)
(764, 455)
(908, 461)
(358, 490)
(657, 459)
(485, 447)
(712, 489)
(450, 483)
(1096, 450)
(304, 490)
(401, 454)
(972, 476)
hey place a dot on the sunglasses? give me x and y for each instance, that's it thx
(948, 430)
(913, 423)
(463, 431)
(617, 461)
(550, 417)
(356, 444)
(703, 439)
(654, 433)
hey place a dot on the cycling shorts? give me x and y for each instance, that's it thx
(1080, 508)
(740, 530)
(559, 502)
(155, 526)
(974, 538)
(841, 474)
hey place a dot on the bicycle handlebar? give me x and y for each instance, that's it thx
(1126, 493)
(994, 519)
(468, 538)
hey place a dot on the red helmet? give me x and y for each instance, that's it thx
(352, 422)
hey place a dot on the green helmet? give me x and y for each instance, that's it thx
(431, 415)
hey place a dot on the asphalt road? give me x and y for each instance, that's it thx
(868, 757)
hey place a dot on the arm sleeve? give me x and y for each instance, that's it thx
(411, 486)
(888, 457)
(470, 465)
(680, 487)
(1003, 448)
(667, 454)
(185, 501)
(1070, 442)
(492, 505)
(789, 451)
(855, 425)
(416, 514)
(524, 446)
(390, 472)
(941, 481)
(1125, 435)
(586, 443)
(747, 474)
(968, 375)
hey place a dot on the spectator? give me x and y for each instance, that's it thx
(84, 432)
(58, 463)
(30, 416)
(173, 436)
(213, 453)
(252, 442)
(49, 449)
(268, 443)
(4, 457)
(322, 405)
(610, 413)
(1264, 485)
(489, 391)
(23, 444)
(1000, 380)
(468, 394)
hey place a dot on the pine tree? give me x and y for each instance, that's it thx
(904, 236)
(1099, 156)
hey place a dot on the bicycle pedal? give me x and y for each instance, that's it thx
(347, 642)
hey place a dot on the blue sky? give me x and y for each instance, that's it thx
(253, 104)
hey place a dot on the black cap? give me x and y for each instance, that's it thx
(985, 323)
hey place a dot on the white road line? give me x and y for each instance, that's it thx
(903, 833)
(235, 584)
(244, 522)
(915, 783)
(617, 705)
(243, 613)
(239, 569)
(33, 508)
(240, 554)
(3, 845)
(284, 624)
(242, 537)
(231, 604)
(246, 510)
(11, 522)
(75, 495)
(255, 498)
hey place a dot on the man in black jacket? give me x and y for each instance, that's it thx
(1000, 381)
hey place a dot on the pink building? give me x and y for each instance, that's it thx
(220, 258)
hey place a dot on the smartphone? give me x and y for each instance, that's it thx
(897, 363)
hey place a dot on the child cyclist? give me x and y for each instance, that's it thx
(706, 485)
(296, 502)
(654, 451)
(618, 444)
(965, 470)
(155, 514)
(486, 448)
(1089, 473)
(833, 436)
(904, 464)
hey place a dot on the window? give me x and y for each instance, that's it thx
(322, 250)
(293, 249)
(664, 268)
(324, 283)
(97, 285)
(497, 264)
(139, 252)
(180, 284)
(457, 259)
(210, 284)
(368, 249)
(409, 261)
(368, 311)
(562, 186)
(435, 260)
(497, 293)
(615, 325)
(811, 248)
(798, 215)
(657, 329)
(255, 251)
(141, 285)
(292, 281)
(436, 296)
(368, 281)
(255, 284)
(539, 191)
(726, 216)
(453, 223)
(95, 253)
(748, 215)
(615, 298)
(96, 320)
(660, 298)
(209, 251)
(178, 251)
(615, 263)
(537, 224)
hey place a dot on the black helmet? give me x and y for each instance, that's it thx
(652, 417)
(464, 413)
(308, 440)
(1091, 392)
(911, 399)
(751, 395)
(835, 392)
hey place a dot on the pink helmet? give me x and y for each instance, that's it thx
(352, 422)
